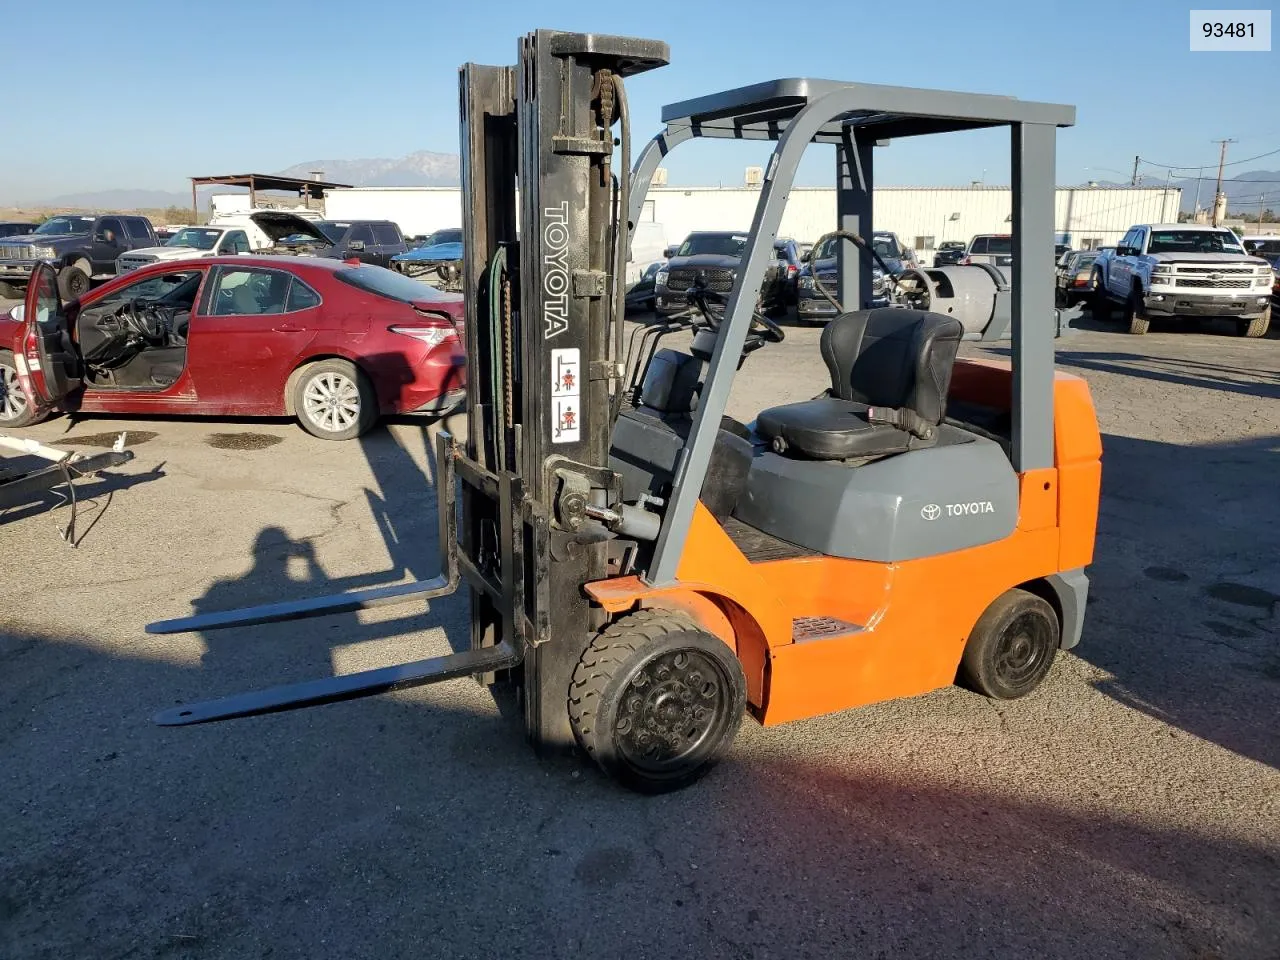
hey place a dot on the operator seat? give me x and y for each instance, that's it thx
(887, 364)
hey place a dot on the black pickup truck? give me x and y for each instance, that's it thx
(83, 246)
(715, 256)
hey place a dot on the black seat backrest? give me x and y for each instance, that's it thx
(891, 357)
(671, 382)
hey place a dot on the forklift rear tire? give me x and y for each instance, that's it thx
(656, 701)
(1012, 646)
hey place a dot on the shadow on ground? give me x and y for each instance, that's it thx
(426, 828)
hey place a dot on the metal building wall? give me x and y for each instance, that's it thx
(417, 210)
(1102, 214)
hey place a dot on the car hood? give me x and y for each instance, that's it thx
(1206, 258)
(277, 224)
(437, 251)
(719, 260)
(43, 239)
(168, 253)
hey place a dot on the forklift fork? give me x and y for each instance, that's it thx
(382, 679)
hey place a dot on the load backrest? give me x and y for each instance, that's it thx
(890, 357)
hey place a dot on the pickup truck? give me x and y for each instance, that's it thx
(228, 234)
(83, 246)
(1182, 270)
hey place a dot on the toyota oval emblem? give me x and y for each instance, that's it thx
(931, 511)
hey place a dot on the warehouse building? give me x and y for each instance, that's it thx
(922, 217)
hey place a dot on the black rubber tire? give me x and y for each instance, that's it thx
(603, 702)
(8, 369)
(1099, 302)
(366, 415)
(1017, 625)
(1256, 327)
(73, 283)
(1135, 315)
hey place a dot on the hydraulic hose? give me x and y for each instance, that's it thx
(862, 245)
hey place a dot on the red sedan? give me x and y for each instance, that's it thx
(334, 343)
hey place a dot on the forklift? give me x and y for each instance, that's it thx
(644, 569)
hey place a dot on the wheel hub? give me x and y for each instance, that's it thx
(669, 707)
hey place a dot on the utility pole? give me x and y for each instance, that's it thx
(1133, 180)
(1222, 162)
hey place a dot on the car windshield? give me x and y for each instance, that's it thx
(330, 229)
(196, 239)
(1082, 260)
(1194, 241)
(453, 235)
(886, 247)
(392, 285)
(716, 244)
(65, 225)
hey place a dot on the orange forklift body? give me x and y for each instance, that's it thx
(913, 617)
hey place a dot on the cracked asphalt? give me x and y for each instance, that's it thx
(1128, 808)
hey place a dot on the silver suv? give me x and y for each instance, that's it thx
(993, 248)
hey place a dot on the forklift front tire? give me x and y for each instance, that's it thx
(656, 701)
(1012, 646)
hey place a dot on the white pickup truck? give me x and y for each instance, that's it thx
(1183, 270)
(225, 234)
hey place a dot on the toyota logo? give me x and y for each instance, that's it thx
(931, 511)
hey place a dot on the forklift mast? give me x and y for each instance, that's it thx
(545, 206)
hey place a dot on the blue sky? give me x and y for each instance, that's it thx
(144, 93)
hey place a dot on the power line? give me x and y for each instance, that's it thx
(1201, 166)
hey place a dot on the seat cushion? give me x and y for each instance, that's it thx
(829, 428)
(891, 357)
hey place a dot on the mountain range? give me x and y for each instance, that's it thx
(422, 168)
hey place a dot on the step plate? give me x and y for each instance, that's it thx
(806, 629)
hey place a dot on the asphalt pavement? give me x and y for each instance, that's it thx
(1128, 808)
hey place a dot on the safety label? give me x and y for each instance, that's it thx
(566, 408)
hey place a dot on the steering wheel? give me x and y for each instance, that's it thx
(699, 294)
(145, 319)
(863, 247)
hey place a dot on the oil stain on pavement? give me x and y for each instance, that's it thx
(132, 438)
(241, 441)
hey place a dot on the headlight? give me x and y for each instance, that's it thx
(1162, 278)
(661, 278)
(44, 253)
(1265, 273)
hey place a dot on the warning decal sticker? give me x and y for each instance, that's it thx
(566, 409)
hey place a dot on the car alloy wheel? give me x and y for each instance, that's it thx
(13, 402)
(331, 402)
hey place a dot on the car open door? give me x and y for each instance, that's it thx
(49, 366)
